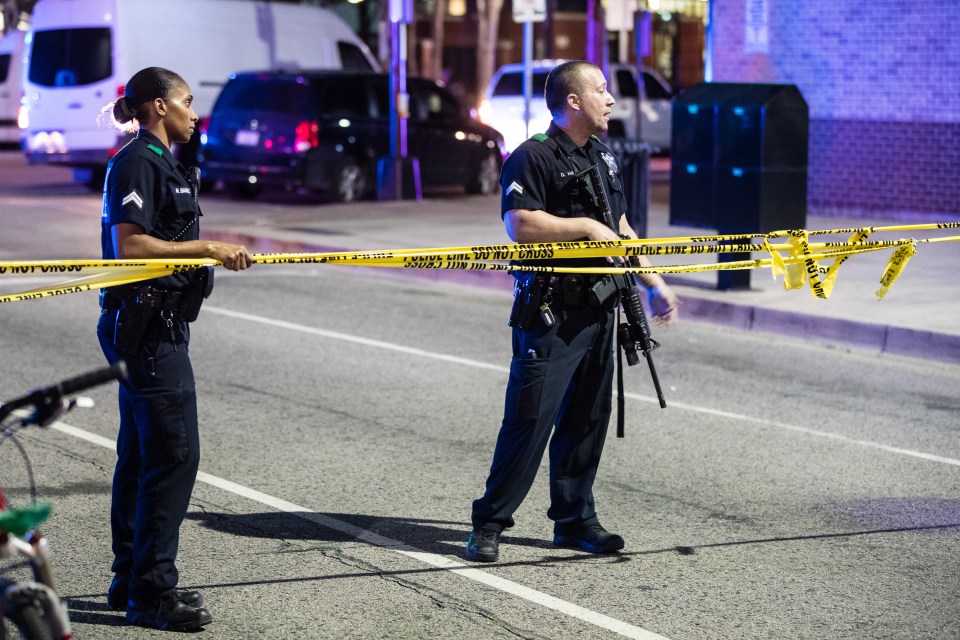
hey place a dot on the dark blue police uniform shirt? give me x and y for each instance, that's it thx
(543, 176)
(146, 185)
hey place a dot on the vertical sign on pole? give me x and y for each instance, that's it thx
(526, 12)
(756, 27)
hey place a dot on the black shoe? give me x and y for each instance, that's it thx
(593, 538)
(483, 545)
(168, 613)
(119, 592)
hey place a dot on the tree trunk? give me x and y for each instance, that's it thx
(488, 25)
(439, 13)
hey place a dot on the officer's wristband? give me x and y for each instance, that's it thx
(652, 292)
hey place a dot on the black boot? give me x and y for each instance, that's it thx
(483, 545)
(169, 613)
(119, 592)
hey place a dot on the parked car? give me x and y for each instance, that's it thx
(502, 105)
(80, 53)
(11, 52)
(324, 131)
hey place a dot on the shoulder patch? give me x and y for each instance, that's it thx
(540, 137)
(157, 150)
(133, 197)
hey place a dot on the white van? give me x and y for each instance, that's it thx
(11, 50)
(79, 54)
(502, 105)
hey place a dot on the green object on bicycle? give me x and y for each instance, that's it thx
(19, 521)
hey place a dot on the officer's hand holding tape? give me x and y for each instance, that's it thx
(233, 256)
(134, 243)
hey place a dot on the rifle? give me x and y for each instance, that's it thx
(634, 334)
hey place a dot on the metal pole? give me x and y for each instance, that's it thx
(527, 74)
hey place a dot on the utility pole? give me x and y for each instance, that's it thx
(398, 176)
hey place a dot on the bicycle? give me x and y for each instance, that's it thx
(34, 606)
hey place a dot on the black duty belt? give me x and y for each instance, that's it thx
(571, 289)
(152, 297)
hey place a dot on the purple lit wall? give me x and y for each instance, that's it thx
(882, 80)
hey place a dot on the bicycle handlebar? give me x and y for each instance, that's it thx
(48, 399)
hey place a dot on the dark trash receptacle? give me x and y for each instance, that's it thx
(739, 161)
(634, 160)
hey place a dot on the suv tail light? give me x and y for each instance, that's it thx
(203, 126)
(307, 136)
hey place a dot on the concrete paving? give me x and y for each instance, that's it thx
(917, 318)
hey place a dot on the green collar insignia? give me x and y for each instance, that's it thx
(157, 150)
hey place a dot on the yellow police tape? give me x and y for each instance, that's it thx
(797, 260)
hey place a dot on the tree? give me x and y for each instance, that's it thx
(12, 11)
(439, 15)
(488, 25)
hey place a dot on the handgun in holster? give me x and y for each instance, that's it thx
(527, 297)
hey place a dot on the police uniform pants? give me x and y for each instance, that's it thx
(158, 451)
(561, 380)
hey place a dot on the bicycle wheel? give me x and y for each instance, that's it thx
(27, 612)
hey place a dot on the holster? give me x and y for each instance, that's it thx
(136, 306)
(133, 316)
(527, 296)
(193, 294)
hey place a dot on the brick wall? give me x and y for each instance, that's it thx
(882, 82)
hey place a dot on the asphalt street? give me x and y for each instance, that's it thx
(790, 490)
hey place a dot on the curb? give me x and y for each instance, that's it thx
(883, 339)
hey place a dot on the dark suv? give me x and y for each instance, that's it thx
(325, 131)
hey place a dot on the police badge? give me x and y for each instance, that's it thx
(611, 163)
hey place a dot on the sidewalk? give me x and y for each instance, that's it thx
(917, 318)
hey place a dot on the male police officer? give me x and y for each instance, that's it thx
(563, 337)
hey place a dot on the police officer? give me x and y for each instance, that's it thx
(151, 210)
(563, 327)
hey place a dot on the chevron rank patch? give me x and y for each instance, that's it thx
(133, 197)
(514, 186)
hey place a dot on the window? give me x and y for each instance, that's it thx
(430, 102)
(626, 83)
(345, 98)
(654, 88)
(71, 57)
(381, 96)
(4, 66)
(511, 84)
(255, 94)
(352, 58)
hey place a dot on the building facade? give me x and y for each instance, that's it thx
(881, 81)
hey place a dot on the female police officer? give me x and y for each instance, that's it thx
(150, 210)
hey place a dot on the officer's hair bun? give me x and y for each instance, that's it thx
(122, 111)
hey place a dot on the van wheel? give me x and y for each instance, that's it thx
(350, 181)
(487, 177)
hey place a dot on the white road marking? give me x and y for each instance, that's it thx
(531, 595)
(346, 337)
(792, 427)
(672, 404)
